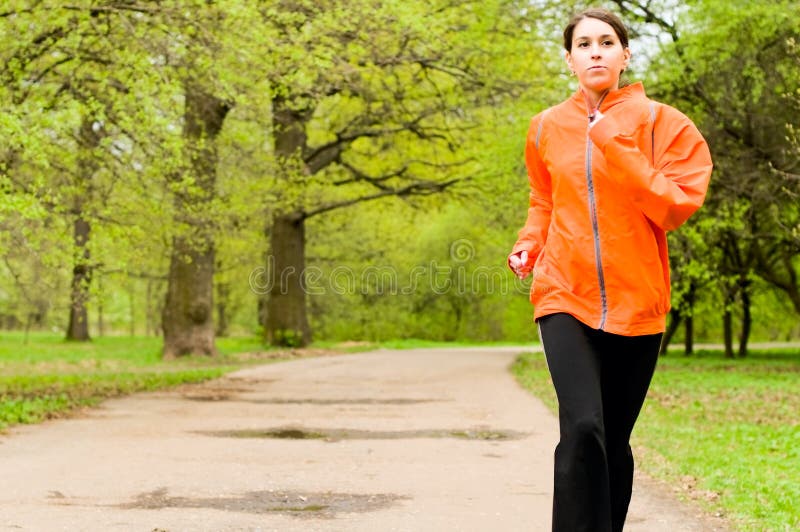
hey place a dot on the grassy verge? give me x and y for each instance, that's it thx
(727, 432)
(43, 377)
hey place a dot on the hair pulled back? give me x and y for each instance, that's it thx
(600, 14)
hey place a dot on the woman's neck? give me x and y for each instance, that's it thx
(595, 98)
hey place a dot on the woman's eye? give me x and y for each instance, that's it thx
(583, 44)
(608, 43)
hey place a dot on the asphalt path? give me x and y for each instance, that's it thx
(411, 440)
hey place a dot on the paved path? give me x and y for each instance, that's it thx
(420, 440)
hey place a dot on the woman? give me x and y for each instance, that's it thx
(610, 172)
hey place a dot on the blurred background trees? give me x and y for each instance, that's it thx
(353, 171)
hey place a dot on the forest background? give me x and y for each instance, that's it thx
(335, 170)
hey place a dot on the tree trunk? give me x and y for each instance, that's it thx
(727, 332)
(78, 328)
(688, 340)
(188, 317)
(674, 323)
(286, 321)
(747, 320)
(284, 308)
(223, 300)
(88, 139)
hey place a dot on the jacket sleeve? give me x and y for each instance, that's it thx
(533, 235)
(672, 190)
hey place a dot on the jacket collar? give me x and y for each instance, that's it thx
(632, 91)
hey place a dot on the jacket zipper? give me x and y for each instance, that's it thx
(596, 234)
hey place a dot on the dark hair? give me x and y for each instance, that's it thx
(600, 14)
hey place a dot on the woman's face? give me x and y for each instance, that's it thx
(597, 56)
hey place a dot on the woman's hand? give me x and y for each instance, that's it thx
(518, 262)
(594, 118)
(594, 110)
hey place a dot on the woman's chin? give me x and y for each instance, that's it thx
(598, 87)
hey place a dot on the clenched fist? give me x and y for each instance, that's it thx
(518, 262)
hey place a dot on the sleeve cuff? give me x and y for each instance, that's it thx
(524, 246)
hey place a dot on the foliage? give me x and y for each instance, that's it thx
(439, 275)
(726, 431)
(389, 94)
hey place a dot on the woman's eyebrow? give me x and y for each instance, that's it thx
(587, 37)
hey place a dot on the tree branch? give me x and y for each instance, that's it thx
(648, 16)
(417, 188)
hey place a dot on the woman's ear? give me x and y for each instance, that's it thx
(627, 54)
(568, 59)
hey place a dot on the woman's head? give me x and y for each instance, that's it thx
(596, 44)
(600, 14)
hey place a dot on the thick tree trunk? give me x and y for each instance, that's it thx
(283, 310)
(78, 328)
(747, 321)
(286, 321)
(188, 317)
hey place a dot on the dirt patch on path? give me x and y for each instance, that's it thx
(335, 435)
(297, 504)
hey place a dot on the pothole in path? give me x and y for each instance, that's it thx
(299, 504)
(332, 435)
(324, 402)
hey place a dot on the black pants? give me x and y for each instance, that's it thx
(601, 380)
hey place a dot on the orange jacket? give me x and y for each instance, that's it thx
(601, 202)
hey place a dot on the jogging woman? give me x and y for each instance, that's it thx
(610, 172)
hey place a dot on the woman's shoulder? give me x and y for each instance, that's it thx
(671, 123)
(663, 111)
(553, 114)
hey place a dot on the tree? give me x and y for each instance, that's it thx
(387, 112)
(80, 67)
(188, 312)
(223, 48)
(45, 68)
(731, 67)
(200, 55)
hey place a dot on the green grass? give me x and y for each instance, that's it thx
(726, 431)
(42, 376)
